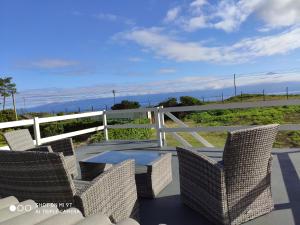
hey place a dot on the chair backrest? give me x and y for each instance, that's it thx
(19, 140)
(40, 176)
(246, 158)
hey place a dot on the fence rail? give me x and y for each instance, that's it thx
(159, 124)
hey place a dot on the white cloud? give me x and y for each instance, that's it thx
(279, 13)
(113, 18)
(106, 16)
(166, 70)
(198, 3)
(135, 59)
(172, 14)
(244, 50)
(228, 15)
(195, 23)
(52, 63)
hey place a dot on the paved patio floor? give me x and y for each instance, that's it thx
(168, 209)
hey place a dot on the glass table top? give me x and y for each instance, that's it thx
(113, 157)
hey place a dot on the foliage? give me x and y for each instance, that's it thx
(125, 134)
(188, 101)
(7, 115)
(52, 129)
(7, 88)
(253, 116)
(170, 102)
(125, 104)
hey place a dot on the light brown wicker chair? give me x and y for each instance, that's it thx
(236, 189)
(43, 177)
(29, 213)
(21, 140)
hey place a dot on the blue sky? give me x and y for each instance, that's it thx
(86, 48)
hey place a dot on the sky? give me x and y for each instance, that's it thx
(80, 49)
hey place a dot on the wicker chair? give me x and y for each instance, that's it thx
(21, 140)
(48, 215)
(236, 189)
(43, 177)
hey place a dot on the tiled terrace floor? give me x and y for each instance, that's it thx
(167, 208)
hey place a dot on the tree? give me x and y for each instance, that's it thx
(170, 102)
(4, 82)
(125, 104)
(13, 90)
(188, 101)
(8, 88)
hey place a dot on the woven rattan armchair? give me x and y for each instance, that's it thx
(51, 216)
(236, 189)
(21, 140)
(43, 177)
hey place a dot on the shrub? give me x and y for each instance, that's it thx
(124, 134)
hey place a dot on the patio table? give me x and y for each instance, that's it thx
(153, 169)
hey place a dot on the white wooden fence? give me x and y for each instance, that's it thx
(159, 125)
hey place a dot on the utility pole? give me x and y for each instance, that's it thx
(287, 93)
(234, 82)
(24, 103)
(222, 97)
(114, 93)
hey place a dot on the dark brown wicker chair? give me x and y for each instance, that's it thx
(21, 140)
(43, 177)
(236, 189)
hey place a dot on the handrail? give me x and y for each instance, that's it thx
(16, 123)
(71, 134)
(69, 117)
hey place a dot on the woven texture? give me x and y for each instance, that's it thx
(21, 140)
(156, 178)
(237, 189)
(33, 215)
(150, 179)
(43, 177)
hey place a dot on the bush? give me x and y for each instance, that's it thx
(188, 101)
(7, 115)
(125, 104)
(52, 129)
(125, 134)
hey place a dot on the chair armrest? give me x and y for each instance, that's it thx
(201, 172)
(201, 157)
(112, 193)
(40, 149)
(65, 146)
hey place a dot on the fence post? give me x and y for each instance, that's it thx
(105, 125)
(37, 133)
(158, 126)
(162, 123)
